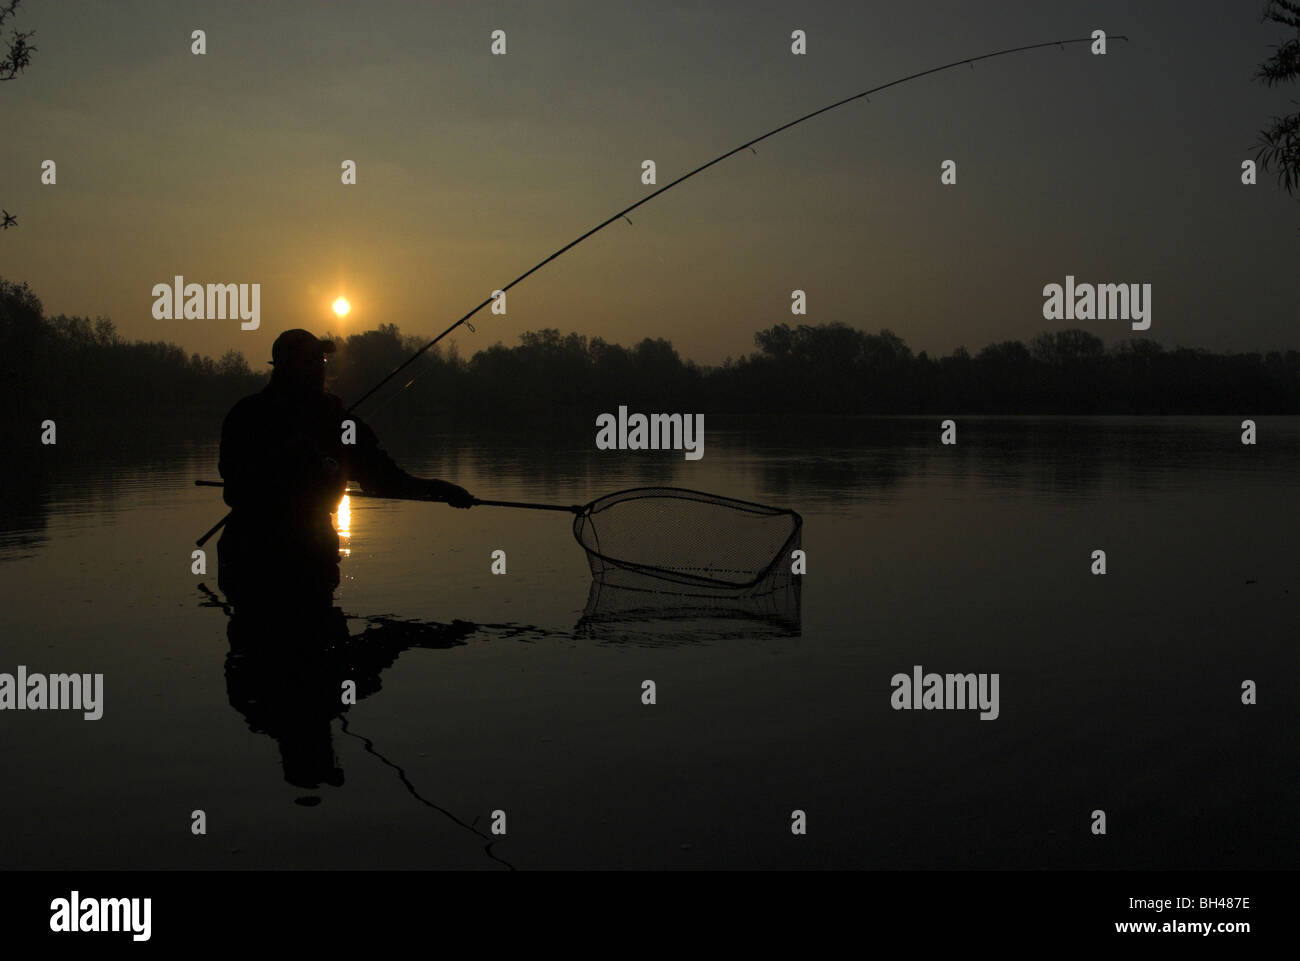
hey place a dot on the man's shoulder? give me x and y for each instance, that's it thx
(266, 404)
(251, 402)
(246, 407)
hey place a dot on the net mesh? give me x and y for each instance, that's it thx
(662, 617)
(687, 543)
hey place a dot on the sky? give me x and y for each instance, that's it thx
(471, 168)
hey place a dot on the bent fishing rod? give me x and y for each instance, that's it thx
(622, 214)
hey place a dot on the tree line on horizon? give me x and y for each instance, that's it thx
(52, 366)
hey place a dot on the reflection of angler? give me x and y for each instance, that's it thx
(287, 678)
(293, 701)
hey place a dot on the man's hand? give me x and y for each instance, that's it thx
(453, 494)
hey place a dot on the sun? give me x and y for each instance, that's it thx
(341, 307)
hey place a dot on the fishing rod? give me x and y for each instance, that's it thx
(570, 508)
(622, 214)
(700, 169)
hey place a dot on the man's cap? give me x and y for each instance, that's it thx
(298, 344)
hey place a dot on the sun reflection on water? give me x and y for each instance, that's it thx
(343, 524)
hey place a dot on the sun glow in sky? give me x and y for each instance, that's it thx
(341, 307)
(519, 154)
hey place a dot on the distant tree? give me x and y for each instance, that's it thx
(1066, 348)
(1006, 376)
(105, 332)
(1279, 148)
(233, 364)
(18, 305)
(24, 342)
(15, 61)
(19, 53)
(62, 363)
(775, 342)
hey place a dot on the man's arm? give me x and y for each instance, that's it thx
(377, 473)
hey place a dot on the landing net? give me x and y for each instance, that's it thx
(685, 542)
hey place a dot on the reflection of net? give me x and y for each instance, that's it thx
(658, 617)
(686, 543)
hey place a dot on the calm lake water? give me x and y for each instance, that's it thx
(1120, 693)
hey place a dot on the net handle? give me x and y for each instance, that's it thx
(579, 509)
(569, 509)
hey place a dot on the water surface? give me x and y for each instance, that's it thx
(1119, 693)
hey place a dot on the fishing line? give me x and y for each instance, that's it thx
(406, 781)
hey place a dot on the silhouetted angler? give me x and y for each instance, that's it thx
(286, 467)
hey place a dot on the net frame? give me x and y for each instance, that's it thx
(610, 563)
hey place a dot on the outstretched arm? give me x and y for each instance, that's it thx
(377, 473)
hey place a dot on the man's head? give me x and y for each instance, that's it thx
(299, 360)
